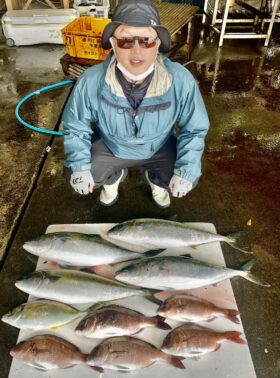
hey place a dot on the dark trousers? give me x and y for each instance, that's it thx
(106, 168)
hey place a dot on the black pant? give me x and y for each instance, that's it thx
(106, 168)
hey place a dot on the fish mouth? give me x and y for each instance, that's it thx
(30, 247)
(5, 318)
(12, 353)
(79, 332)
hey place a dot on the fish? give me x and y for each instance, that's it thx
(115, 320)
(195, 341)
(48, 352)
(126, 354)
(73, 248)
(189, 308)
(160, 233)
(181, 273)
(74, 287)
(42, 314)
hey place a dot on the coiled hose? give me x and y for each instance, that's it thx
(42, 90)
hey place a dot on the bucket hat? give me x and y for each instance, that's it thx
(136, 13)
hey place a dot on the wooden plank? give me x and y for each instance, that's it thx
(175, 16)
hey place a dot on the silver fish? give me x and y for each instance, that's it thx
(42, 314)
(127, 354)
(189, 308)
(71, 286)
(73, 248)
(48, 352)
(160, 233)
(195, 341)
(114, 320)
(169, 272)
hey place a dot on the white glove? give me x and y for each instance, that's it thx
(179, 187)
(82, 182)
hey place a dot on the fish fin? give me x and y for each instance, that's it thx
(88, 269)
(232, 240)
(160, 322)
(234, 336)
(250, 277)
(217, 347)
(97, 368)
(165, 294)
(176, 362)
(104, 270)
(232, 315)
(95, 307)
(123, 369)
(153, 252)
(187, 256)
(246, 267)
(173, 218)
(194, 247)
(56, 327)
(55, 264)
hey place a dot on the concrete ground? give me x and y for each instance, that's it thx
(240, 84)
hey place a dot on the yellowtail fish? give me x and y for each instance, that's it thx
(73, 248)
(73, 287)
(42, 314)
(180, 273)
(160, 233)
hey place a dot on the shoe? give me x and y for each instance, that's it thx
(109, 194)
(160, 195)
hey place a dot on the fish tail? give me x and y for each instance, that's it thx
(153, 252)
(233, 315)
(96, 368)
(250, 277)
(233, 240)
(150, 295)
(160, 322)
(246, 268)
(234, 336)
(175, 361)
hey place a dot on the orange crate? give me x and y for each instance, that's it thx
(82, 38)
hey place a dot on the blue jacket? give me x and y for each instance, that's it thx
(173, 99)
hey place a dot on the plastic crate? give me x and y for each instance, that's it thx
(92, 8)
(93, 11)
(82, 38)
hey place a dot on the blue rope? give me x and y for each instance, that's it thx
(42, 90)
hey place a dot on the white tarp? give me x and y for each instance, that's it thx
(230, 361)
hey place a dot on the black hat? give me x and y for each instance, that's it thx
(136, 13)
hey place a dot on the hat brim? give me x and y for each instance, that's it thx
(162, 32)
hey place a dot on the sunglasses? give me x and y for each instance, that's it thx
(128, 43)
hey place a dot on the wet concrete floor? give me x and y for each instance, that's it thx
(240, 84)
